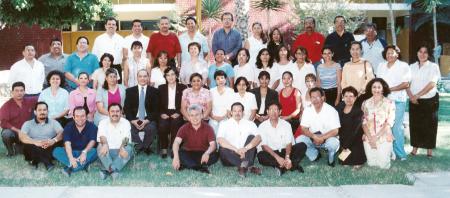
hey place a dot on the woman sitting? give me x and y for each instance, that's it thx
(110, 93)
(56, 97)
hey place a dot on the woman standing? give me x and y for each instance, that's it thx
(424, 102)
(255, 42)
(275, 42)
(357, 72)
(264, 97)
(83, 96)
(160, 65)
(379, 115)
(195, 65)
(110, 93)
(243, 68)
(56, 97)
(282, 63)
(220, 64)
(170, 102)
(329, 77)
(290, 101)
(221, 97)
(134, 64)
(242, 95)
(351, 132)
(99, 74)
(301, 68)
(196, 94)
(264, 62)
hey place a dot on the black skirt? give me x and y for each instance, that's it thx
(423, 122)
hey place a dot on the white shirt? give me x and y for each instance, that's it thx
(157, 77)
(187, 69)
(236, 133)
(246, 71)
(373, 53)
(99, 75)
(394, 76)
(32, 76)
(249, 102)
(139, 96)
(324, 121)
(273, 72)
(106, 44)
(171, 97)
(277, 138)
(221, 102)
(255, 46)
(134, 67)
(184, 42)
(281, 69)
(420, 77)
(299, 76)
(128, 40)
(114, 134)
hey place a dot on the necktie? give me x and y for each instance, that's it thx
(141, 113)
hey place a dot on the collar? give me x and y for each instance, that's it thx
(37, 122)
(140, 87)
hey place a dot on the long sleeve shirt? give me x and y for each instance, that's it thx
(230, 42)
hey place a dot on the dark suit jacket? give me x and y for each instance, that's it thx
(164, 97)
(271, 97)
(131, 105)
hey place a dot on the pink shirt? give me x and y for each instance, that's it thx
(76, 98)
(114, 97)
(201, 98)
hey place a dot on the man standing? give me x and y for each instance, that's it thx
(227, 38)
(136, 35)
(320, 125)
(114, 137)
(192, 35)
(110, 42)
(55, 59)
(80, 61)
(278, 146)
(164, 40)
(79, 140)
(373, 46)
(238, 140)
(339, 41)
(311, 40)
(40, 136)
(141, 109)
(199, 145)
(13, 114)
(29, 71)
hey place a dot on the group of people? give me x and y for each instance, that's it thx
(255, 101)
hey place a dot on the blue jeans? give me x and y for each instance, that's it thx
(60, 154)
(113, 160)
(331, 145)
(398, 131)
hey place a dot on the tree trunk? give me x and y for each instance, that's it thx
(391, 15)
(435, 29)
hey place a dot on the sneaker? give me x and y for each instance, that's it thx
(67, 171)
(115, 175)
(255, 170)
(403, 159)
(103, 174)
(318, 157)
(242, 171)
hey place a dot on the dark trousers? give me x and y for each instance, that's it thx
(37, 154)
(150, 130)
(295, 122)
(297, 154)
(230, 158)
(168, 129)
(423, 122)
(11, 142)
(63, 121)
(119, 69)
(192, 159)
(330, 96)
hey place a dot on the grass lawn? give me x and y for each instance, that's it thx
(153, 171)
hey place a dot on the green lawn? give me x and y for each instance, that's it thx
(152, 171)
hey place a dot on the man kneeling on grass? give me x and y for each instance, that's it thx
(114, 137)
(238, 140)
(199, 145)
(278, 146)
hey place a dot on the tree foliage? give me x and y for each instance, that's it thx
(53, 13)
(212, 9)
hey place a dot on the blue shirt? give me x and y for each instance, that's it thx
(328, 75)
(230, 42)
(78, 140)
(185, 40)
(225, 67)
(75, 66)
(56, 104)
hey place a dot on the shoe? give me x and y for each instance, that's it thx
(35, 164)
(242, 171)
(318, 157)
(49, 167)
(412, 154)
(280, 171)
(300, 169)
(403, 159)
(332, 163)
(255, 170)
(164, 156)
(430, 156)
(103, 174)
(67, 171)
(86, 168)
(148, 151)
(114, 175)
(204, 169)
(9, 155)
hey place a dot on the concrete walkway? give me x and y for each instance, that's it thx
(427, 185)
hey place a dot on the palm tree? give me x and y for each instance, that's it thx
(268, 5)
(211, 11)
(392, 19)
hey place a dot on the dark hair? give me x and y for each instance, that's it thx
(107, 73)
(156, 61)
(191, 18)
(58, 73)
(55, 39)
(106, 55)
(40, 103)
(350, 89)
(111, 19)
(227, 13)
(304, 51)
(113, 105)
(82, 37)
(429, 51)
(327, 48)
(136, 43)
(395, 48)
(277, 55)
(26, 45)
(238, 80)
(271, 45)
(246, 53)
(220, 73)
(289, 73)
(370, 25)
(313, 19)
(356, 43)
(195, 75)
(264, 73)
(259, 63)
(78, 108)
(81, 73)
(195, 44)
(18, 84)
(311, 75)
(339, 16)
(167, 70)
(317, 89)
(220, 49)
(237, 104)
(164, 17)
(276, 104)
(386, 90)
(136, 21)
(263, 34)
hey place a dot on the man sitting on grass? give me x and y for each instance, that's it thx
(199, 145)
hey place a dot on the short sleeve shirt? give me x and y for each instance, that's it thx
(421, 76)
(56, 104)
(324, 121)
(236, 133)
(79, 140)
(277, 138)
(212, 70)
(159, 42)
(394, 76)
(202, 98)
(114, 134)
(196, 140)
(44, 131)
(249, 102)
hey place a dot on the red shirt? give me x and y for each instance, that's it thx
(288, 104)
(313, 44)
(11, 115)
(196, 140)
(159, 42)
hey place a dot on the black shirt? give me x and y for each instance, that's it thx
(340, 46)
